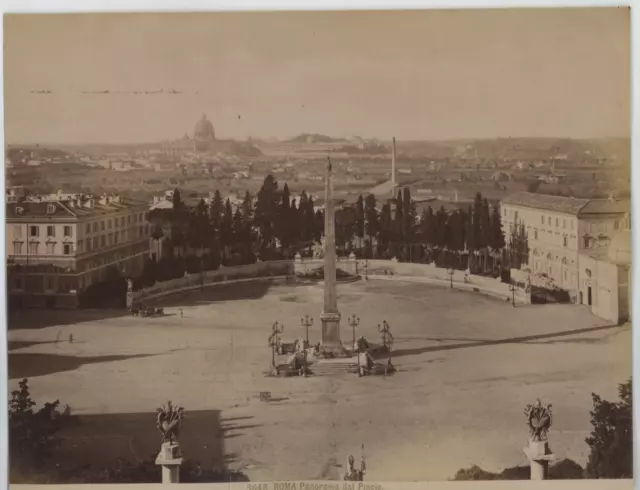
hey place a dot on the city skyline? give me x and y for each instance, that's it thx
(487, 74)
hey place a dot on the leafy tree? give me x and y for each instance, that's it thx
(611, 439)
(33, 434)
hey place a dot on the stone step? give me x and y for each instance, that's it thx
(334, 366)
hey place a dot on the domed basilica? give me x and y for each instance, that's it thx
(203, 134)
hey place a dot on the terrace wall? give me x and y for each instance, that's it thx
(375, 269)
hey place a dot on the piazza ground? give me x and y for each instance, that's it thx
(468, 365)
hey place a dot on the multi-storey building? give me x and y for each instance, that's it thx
(559, 229)
(59, 245)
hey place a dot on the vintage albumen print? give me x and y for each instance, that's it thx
(351, 246)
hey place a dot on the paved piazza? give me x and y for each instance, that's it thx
(468, 365)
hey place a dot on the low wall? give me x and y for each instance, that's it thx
(430, 274)
(224, 275)
(304, 266)
(375, 269)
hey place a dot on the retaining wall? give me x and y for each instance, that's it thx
(224, 275)
(430, 274)
(376, 269)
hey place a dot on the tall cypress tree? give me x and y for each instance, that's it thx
(477, 220)
(372, 227)
(238, 229)
(408, 214)
(497, 235)
(216, 208)
(294, 224)
(427, 226)
(303, 223)
(266, 213)
(385, 232)
(360, 220)
(398, 220)
(283, 219)
(226, 228)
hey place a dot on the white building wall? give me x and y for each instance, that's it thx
(553, 242)
(599, 288)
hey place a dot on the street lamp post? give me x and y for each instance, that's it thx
(306, 322)
(450, 272)
(354, 321)
(274, 339)
(387, 338)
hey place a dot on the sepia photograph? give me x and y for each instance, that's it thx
(341, 247)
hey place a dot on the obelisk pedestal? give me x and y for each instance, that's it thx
(331, 342)
(330, 316)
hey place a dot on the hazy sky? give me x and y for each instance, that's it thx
(415, 75)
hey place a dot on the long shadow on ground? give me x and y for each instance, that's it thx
(230, 292)
(22, 344)
(41, 318)
(485, 343)
(98, 441)
(31, 365)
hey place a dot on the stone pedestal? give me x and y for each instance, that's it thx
(331, 342)
(170, 458)
(539, 456)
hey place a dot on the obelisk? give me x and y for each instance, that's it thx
(330, 316)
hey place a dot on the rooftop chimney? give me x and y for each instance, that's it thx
(393, 161)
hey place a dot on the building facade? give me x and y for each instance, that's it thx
(605, 279)
(57, 246)
(559, 229)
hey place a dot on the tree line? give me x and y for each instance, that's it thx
(273, 225)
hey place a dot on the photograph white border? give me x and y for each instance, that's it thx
(68, 6)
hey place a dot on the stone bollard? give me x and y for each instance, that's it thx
(539, 456)
(170, 459)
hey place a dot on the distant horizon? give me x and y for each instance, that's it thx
(420, 75)
(287, 139)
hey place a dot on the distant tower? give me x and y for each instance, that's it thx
(393, 161)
